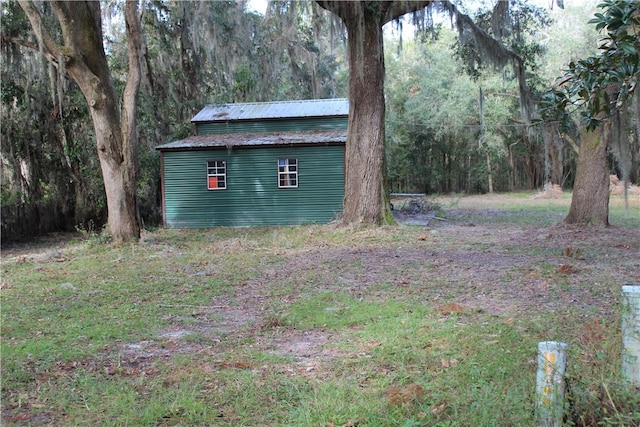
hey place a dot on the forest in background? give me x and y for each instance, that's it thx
(453, 123)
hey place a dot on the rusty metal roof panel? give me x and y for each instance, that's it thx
(273, 110)
(199, 142)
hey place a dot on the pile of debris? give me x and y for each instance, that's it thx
(416, 211)
(414, 206)
(616, 187)
(550, 191)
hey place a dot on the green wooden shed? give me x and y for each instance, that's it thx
(263, 163)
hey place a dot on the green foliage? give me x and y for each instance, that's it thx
(513, 25)
(243, 82)
(602, 83)
(434, 140)
(569, 38)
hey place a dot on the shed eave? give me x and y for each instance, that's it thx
(237, 140)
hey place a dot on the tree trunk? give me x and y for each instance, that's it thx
(489, 171)
(365, 198)
(83, 58)
(590, 200)
(364, 178)
(634, 176)
(512, 166)
(118, 174)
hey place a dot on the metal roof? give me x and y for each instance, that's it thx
(256, 139)
(273, 110)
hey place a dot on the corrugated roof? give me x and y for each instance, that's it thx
(256, 139)
(273, 110)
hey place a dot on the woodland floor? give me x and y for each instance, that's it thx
(460, 262)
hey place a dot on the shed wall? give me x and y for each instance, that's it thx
(252, 196)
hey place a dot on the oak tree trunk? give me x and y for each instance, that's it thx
(364, 196)
(83, 58)
(590, 199)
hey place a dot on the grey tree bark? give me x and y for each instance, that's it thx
(590, 199)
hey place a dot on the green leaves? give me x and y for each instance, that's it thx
(603, 82)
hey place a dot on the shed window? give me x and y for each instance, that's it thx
(216, 175)
(287, 173)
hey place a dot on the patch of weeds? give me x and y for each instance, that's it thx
(416, 360)
(419, 205)
(197, 338)
(595, 392)
(601, 403)
(338, 310)
(92, 233)
(271, 322)
(454, 200)
(623, 217)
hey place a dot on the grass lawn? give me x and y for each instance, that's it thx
(407, 325)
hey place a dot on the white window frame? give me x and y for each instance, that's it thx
(217, 169)
(288, 172)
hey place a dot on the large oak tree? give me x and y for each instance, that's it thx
(366, 199)
(81, 55)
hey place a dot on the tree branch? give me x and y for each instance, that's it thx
(52, 49)
(494, 45)
(20, 42)
(129, 97)
(496, 52)
(65, 25)
(402, 7)
(335, 7)
(389, 10)
(30, 45)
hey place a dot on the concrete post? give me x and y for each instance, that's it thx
(631, 334)
(552, 361)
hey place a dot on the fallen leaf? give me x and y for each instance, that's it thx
(566, 269)
(235, 365)
(448, 363)
(438, 409)
(450, 308)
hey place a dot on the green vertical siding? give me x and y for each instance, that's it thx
(331, 123)
(252, 196)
